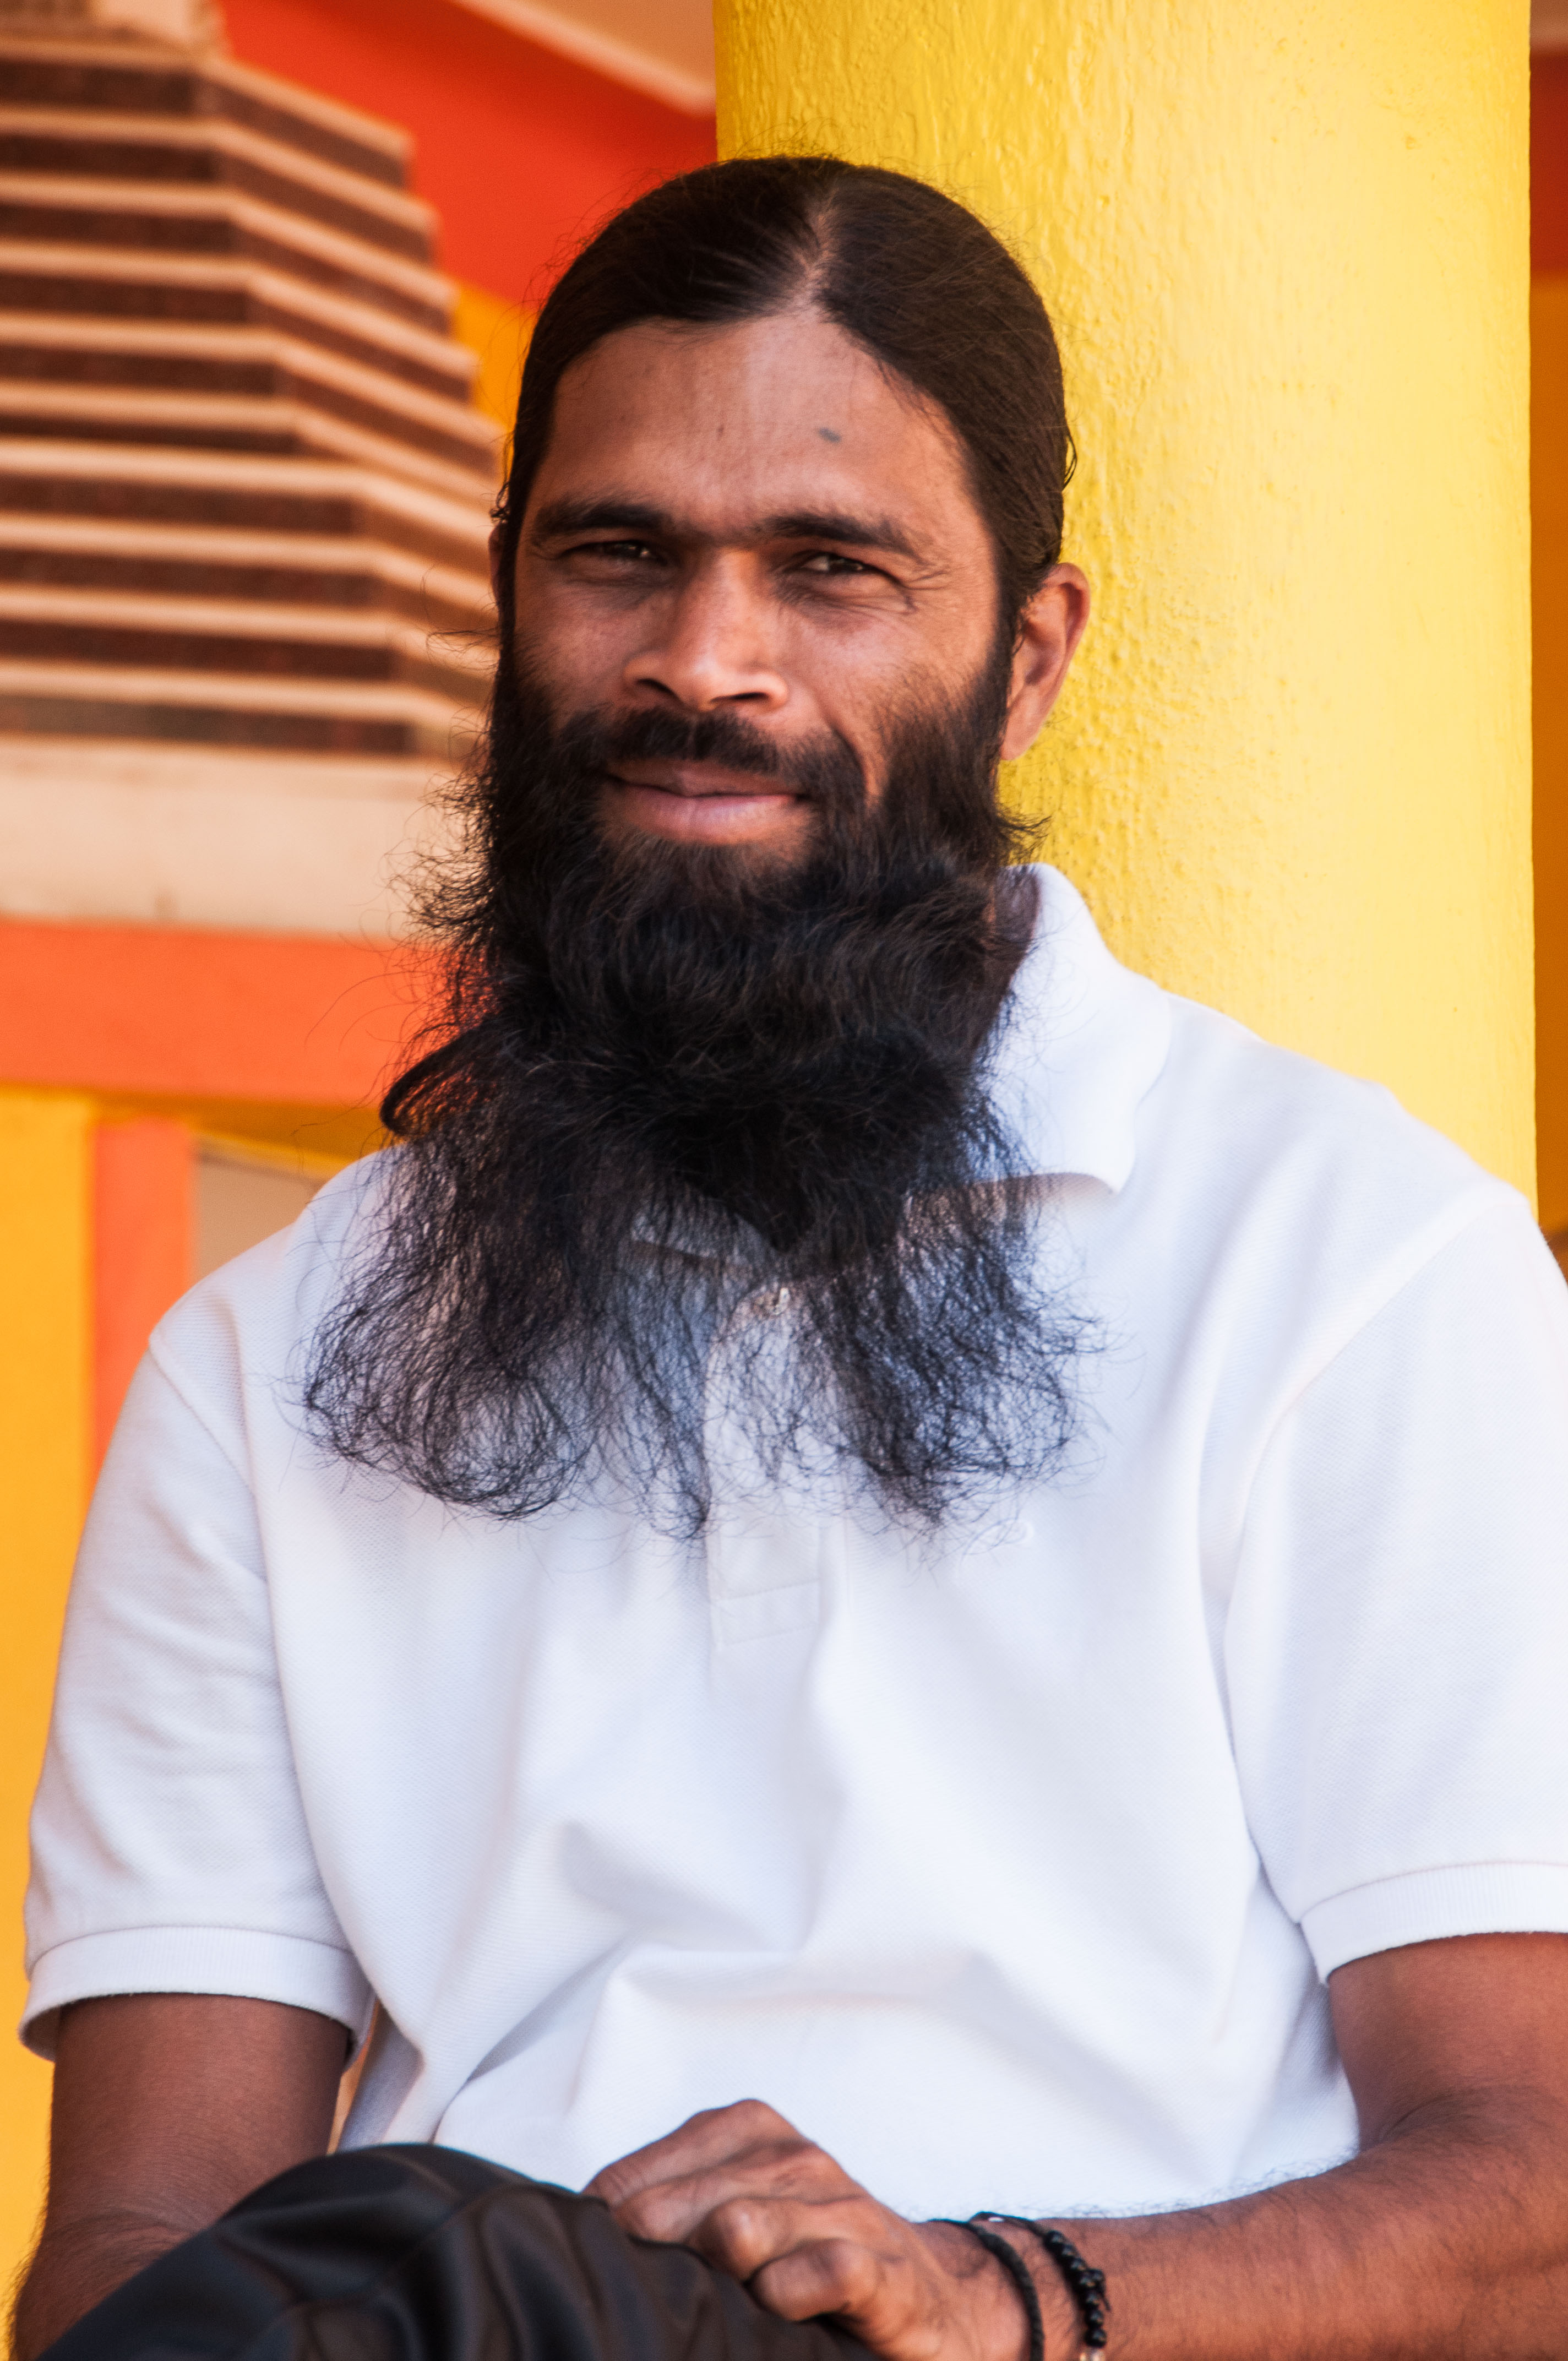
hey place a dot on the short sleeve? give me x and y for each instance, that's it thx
(171, 1850)
(1397, 1647)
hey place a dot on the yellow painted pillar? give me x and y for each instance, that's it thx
(45, 1209)
(1284, 243)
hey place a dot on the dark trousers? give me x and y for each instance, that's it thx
(424, 2254)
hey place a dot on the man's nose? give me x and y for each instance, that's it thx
(713, 645)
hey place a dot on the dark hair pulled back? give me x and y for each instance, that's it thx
(916, 278)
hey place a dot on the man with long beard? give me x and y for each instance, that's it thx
(887, 1596)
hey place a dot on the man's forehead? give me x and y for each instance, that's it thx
(778, 361)
(740, 432)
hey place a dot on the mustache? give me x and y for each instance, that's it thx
(824, 769)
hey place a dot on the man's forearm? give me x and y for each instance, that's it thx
(78, 2264)
(168, 2107)
(1449, 2238)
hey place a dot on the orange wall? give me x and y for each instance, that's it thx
(520, 151)
(178, 1014)
(287, 1040)
(1548, 523)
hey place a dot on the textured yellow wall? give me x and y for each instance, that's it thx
(1284, 242)
(45, 1440)
(1549, 511)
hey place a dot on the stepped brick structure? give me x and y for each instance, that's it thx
(244, 497)
(245, 626)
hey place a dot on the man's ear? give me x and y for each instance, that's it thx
(1050, 628)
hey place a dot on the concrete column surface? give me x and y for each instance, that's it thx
(1284, 245)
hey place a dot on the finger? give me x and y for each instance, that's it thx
(788, 2169)
(785, 2175)
(745, 2233)
(826, 2275)
(701, 2141)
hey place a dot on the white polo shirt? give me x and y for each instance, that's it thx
(1010, 1872)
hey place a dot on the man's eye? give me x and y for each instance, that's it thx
(622, 552)
(831, 561)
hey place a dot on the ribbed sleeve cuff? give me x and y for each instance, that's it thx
(1487, 1897)
(231, 1960)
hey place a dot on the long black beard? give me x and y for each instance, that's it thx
(677, 1084)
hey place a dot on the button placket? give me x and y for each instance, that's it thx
(763, 1547)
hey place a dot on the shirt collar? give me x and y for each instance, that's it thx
(1080, 1041)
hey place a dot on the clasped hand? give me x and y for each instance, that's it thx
(743, 2186)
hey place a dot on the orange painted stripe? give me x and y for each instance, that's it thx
(1549, 160)
(144, 1222)
(187, 1014)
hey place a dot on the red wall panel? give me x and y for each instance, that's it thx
(520, 150)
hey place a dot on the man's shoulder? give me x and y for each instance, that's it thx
(1322, 1177)
(1119, 1079)
(1275, 1102)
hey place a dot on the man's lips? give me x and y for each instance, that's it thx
(707, 782)
(702, 803)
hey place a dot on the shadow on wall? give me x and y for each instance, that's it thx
(245, 1194)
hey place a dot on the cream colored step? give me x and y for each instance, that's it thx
(404, 221)
(113, 539)
(386, 340)
(293, 780)
(422, 723)
(263, 619)
(141, 684)
(398, 407)
(154, 834)
(163, 470)
(367, 142)
(388, 277)
(175, 341)
(114, 414)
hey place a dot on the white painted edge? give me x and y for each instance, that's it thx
(36, 762)
(689, 94)
(198, 855)
(235, 692)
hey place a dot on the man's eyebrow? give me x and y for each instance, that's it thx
(836, 524)
(604, 515)
(565, 517)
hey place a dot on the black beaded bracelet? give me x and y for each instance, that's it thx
(1085, 2284)
(1017, 2270)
